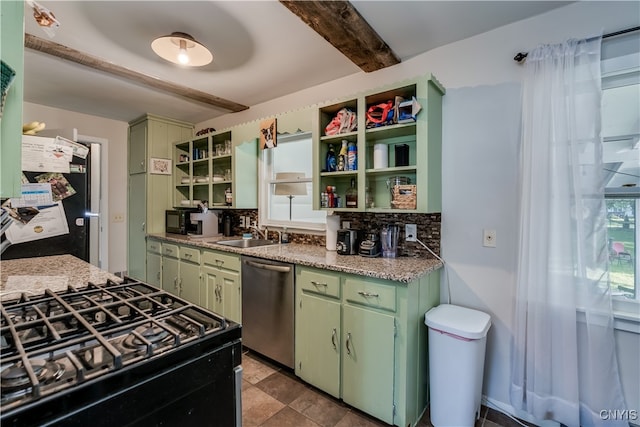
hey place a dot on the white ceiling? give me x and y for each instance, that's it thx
(261, 50)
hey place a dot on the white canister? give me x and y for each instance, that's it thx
(380, 156)
(333, 224)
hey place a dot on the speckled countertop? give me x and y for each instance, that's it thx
(402, 269)
(34, 275)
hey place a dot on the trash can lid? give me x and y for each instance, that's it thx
(460, 321)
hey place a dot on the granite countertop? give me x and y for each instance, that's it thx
(402, 269)
(34, 275)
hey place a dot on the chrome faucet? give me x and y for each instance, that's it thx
(262, 234)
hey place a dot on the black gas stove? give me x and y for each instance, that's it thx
(117, 354)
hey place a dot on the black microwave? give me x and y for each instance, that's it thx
(178, 221)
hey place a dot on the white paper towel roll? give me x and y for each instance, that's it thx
(333, 224)
(380, 156)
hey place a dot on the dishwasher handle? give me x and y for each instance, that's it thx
(278, 268)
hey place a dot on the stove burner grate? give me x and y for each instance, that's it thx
(16, 378)
(153, 333)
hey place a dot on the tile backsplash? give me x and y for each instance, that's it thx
(428, 229)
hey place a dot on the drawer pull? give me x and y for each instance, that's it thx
(333, 339)
(348, 341)
(368, 294)
(188, 255)
(169, 251)
(318, 284)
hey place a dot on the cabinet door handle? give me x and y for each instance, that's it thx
(348, 341)
(368, 294)
(318, 284)
(142, 165)
(144, 226)
(175, 283)
(333, 339)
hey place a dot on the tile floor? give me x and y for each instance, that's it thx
(274, 397)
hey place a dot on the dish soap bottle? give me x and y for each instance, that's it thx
(331, 159)
(352, 157)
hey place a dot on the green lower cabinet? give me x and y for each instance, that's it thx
(171, 275)
(221, 291)
(363, 340)
(318, 342)
(189, 282)
(222, 284)
(154, 262)
(368, 361)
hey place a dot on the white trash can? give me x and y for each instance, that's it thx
(457, 342)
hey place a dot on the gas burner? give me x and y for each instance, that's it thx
(152, 333)
(22, 317)
(15, 377)
(101, 298)
(80, 304)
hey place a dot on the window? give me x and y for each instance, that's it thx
(286, 185)
(621, 144)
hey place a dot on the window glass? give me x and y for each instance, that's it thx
(286, 185)
(621, 153)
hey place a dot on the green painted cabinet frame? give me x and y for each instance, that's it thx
(423, 138)
(364, 340)
(149, 194)
(12, 53)
(198, 166)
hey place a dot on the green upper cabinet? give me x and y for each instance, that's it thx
(12, 54)
(217, 169)
(398, 161)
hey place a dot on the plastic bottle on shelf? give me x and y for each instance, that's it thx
(352, 157)
(331, 159)
(342, 157)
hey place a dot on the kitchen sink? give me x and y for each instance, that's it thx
(246, 243)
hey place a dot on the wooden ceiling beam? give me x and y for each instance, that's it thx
(69, 54)
(342, 26)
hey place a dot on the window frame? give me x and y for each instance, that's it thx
(267, 181)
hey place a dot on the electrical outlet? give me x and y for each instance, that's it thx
(489, 238)
(119, 217)
(242, 221)
(410, 232)
(346, 224)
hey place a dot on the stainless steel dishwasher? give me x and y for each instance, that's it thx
(268, 308)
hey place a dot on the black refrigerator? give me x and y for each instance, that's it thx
(75, 205)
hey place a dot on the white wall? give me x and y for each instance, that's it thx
(62, 122)
(480, 162)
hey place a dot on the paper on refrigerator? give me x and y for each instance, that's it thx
(49, 222)
(45, 155)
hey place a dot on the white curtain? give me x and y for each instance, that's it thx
(564, 365)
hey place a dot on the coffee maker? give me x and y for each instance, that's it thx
(204, 224)
(370, 245)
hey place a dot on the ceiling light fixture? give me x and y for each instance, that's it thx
(181, 48)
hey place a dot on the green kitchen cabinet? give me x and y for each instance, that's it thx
(222, 290)
(149, 192)
(419, 139)
(363, 340)
(154, 262)
(368, 361)
(209, 167)
(171, 268)
(181, 271)
(12, 54)
(318, 332)
(189, 281)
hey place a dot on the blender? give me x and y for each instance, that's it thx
(389, 240)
